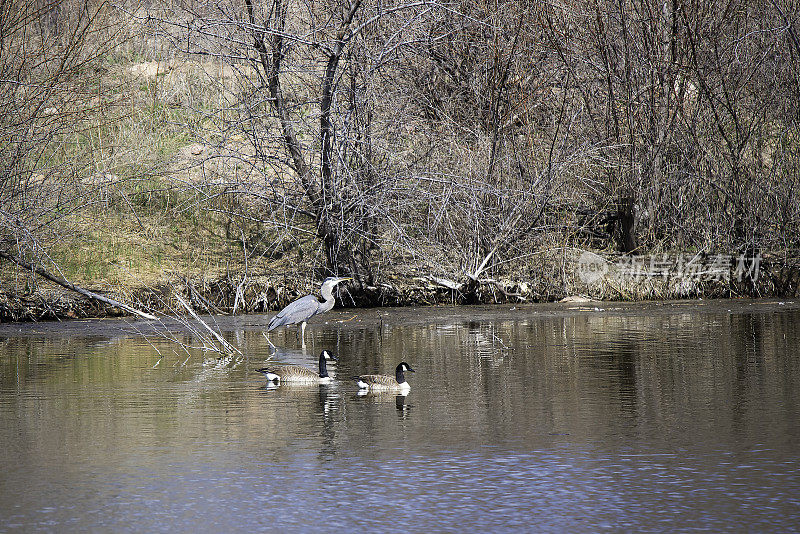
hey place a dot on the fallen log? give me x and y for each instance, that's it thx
(72, 287)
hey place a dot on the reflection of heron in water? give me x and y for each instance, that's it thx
(304, 308)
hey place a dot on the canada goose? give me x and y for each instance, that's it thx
(386, 383)
(299, 374)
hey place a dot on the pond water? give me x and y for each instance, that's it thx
(640, 417)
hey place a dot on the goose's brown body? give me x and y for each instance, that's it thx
(386, 383)
(292, 373)
(380, 381)
(299, 374)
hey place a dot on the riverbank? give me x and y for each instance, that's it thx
(612, 278)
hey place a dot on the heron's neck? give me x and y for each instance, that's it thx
(327, 304)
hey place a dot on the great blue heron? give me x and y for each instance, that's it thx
(304, 308)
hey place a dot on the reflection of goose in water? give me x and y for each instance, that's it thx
(400, 403)
(293, 409)
(387, 383)
(299, 374)
(380, 397)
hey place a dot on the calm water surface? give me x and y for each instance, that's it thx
(682, 416)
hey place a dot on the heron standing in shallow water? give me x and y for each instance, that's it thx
(304, 308)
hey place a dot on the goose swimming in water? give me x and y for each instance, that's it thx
(299, 374)
(385, 382)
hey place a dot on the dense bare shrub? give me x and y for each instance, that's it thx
(49, 52)
(689, 102)
(458, 140)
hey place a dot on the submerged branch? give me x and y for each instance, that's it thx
(228, 348)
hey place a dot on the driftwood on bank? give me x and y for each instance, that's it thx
(72, 287)
(470, 287)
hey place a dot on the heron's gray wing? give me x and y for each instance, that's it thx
(296, 312)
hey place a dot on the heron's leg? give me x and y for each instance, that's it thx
(266, 336)
(303, 332)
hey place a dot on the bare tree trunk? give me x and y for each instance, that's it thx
(271, 63)
(326, 230)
